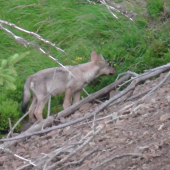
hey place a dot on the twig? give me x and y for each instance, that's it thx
(116, 9)
(49, 105)
(23, 166)
(55, 153)
(90, 2)
(118, 157)
(78, 149)
(150, 92)
(10, 125)
(9, 151)
(80, 162)
(18, 123)
(104, 3)
(23, 6)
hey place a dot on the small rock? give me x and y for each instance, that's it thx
(143, 148)
(44, 142)
(145, 133)
(67, 130)
(162, 105)
(164, 117)
(153, 100)
(121, 141)
(160, 127)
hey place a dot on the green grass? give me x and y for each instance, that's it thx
(78, 28)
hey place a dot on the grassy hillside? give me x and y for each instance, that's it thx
(78, 28)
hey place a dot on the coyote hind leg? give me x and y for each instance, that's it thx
(32, 109)
(40, 106)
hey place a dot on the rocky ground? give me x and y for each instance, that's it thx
(139, 139)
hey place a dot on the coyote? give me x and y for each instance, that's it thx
(53, 81)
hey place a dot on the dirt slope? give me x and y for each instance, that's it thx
(145, 131)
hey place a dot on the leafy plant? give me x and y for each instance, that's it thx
(7, 71)
(8, 109)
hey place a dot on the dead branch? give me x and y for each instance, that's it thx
(12, 129)
(30, 33)
(17, 156)
(24, 42)
(108, 7)
(100, 128)
(118, 157)
(117, 8)
(23, 166)
(80, 162)
(10, 126)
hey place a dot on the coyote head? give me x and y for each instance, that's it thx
(105, 69)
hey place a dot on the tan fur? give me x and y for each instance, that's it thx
(58, 80)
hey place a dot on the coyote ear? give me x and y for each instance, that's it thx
(101, 57)
(102, 60)
(94, 56)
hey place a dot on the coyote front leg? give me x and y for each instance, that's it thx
(76, 96)
(67, 98)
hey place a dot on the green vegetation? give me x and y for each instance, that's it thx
(79, 27)
(8, 76)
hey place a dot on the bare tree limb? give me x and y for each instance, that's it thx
(80, 162)
(118, 157)
(117, 8)
(31, 33)
(108, 7)
(17, 156)
(10, 126)
(78, 149)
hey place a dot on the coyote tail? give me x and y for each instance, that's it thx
(26, 94)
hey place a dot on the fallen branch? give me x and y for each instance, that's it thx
(78, 149)
(30, 33)
(80, 162)
(118, 157)
(24, 42)
(117, 8)
(17, 156)
(10, 126)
